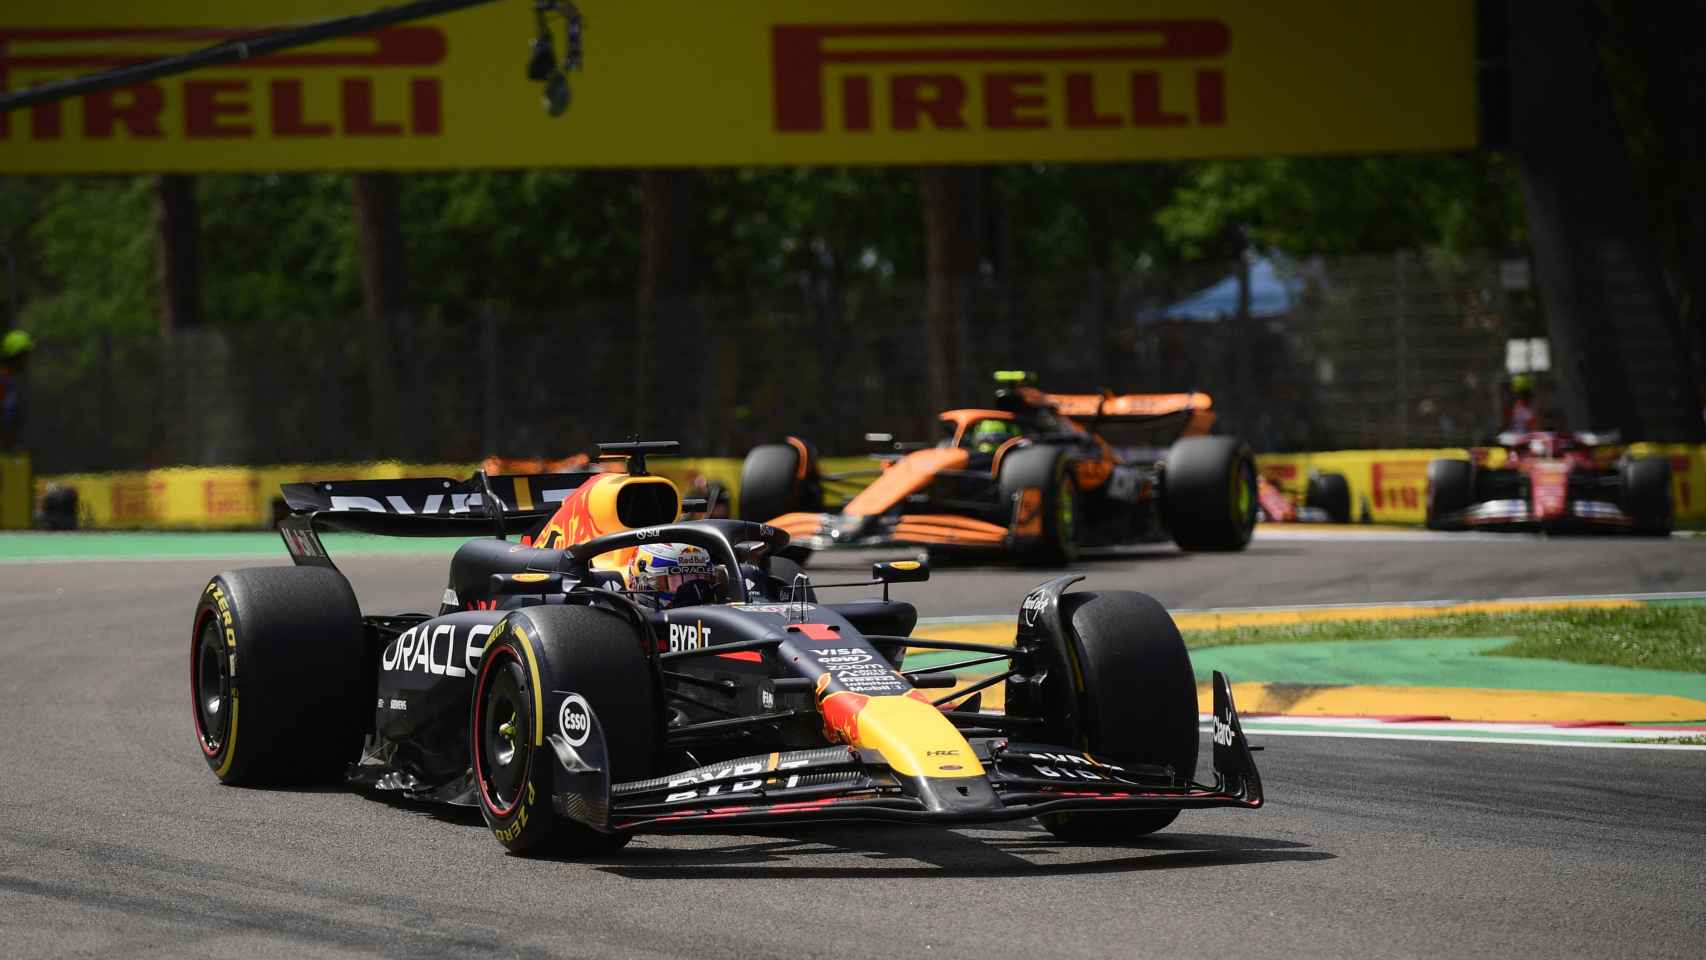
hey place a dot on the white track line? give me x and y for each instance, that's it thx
(1529, 734)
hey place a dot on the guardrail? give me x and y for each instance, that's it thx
(1387, 486)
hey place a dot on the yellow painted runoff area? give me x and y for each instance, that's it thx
(748, 82)
(1456, 703)
(1222, 619)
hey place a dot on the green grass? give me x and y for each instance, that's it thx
(1655, 637)
(1686, 741)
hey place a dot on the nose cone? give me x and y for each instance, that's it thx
(913, 736)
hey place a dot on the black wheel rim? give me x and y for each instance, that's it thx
(505, 750)
(212, 686)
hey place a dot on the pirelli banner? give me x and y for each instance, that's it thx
(748, 82)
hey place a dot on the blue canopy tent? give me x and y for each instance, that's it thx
(1270, 296)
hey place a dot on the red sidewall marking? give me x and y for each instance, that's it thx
(501, 652)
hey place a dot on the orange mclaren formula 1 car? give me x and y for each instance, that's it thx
(1037, 475)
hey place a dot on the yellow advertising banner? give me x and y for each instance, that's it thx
(1387, 486)
(748, 82)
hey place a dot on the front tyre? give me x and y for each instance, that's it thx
(278, 675)
(1646, 494)
(591, 652)
(1209, 493)
(1331, 494)
(1451, 490)
(1138, 702)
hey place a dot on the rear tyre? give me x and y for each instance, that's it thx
(1208, 491)
(1045, 469)
(279, 675)
(1451, 488)
(773, 482)
(1330, 493)
(592, 652)
(1138, 704)
(1647, 494)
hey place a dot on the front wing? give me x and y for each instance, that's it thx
(842, 783)
(1520, 514)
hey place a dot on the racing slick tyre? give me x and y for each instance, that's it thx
(1331, 493)
(779, 478)
(1138, 704)
(279, 675)
(1208, 493)
(1451, 488)
(1042, 467)
(594, 653)
(1646, 494)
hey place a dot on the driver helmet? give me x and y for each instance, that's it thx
(658, 571)
(988, 434)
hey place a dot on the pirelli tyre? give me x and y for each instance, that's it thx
(1037, 479)
(779, 478)
(1451, 490)
(533, 654)
(1331, 494)
(1138, 702)
(280, 675)
(1646, 494)
(1208, 493)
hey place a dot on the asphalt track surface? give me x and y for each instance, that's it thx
(115, 840)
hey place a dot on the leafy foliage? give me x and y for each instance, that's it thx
(279, 248)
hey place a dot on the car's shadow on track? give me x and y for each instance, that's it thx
(1015, 850)
(442, 812)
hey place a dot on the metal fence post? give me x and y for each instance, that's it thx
(489, 384)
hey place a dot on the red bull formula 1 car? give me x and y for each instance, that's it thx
(1036, 475)
(1552, 481)
(543, 691)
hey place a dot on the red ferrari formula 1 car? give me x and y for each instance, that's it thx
(1552, 481)
(1037, 475)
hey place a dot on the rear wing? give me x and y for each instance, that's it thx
(419, 507)
(1161, 417)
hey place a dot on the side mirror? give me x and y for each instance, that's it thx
(900, 571)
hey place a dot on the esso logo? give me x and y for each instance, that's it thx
(574, 719)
